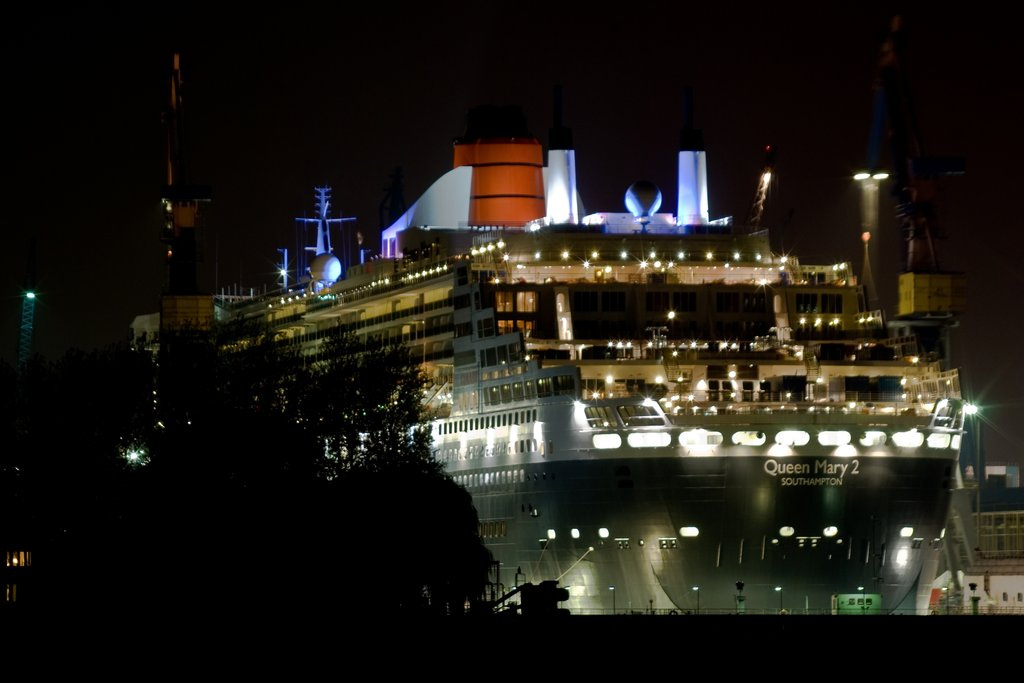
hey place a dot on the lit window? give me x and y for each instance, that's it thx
(907, 531)
(909, 439)
(792, 437)
(749, 438)
(786, 531)
(551, 534)
(575, 533)
(604, 441)
(834, 438)
(700, 437)
(689, 532)
(649, 439)
(938, 441)
(872, 438)
(830, 531)
(602, 532)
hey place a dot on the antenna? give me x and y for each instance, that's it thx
(323, 222)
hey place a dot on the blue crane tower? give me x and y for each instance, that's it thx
(28, 309)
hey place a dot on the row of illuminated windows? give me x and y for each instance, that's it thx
(494, 529)
(510, 301)
(598, 387)
(452, 453)
(501, 355)
(630, 415)
(439, 322)
(786, 437)
(18, 558)
(1002, 532)
(403, 333)
(527, 390)
(499, 529)
(524, 326)
(670, 543)
(488, 421)
(502, 371)
(498, 478)
(663, 302)
(623, 542)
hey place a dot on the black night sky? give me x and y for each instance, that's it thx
(283, 100)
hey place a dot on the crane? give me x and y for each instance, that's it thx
(914, 174)
(182, 306)
(929, 297)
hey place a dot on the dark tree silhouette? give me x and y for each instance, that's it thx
(236, 476)
(367, 405)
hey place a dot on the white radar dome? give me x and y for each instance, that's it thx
(325, 268)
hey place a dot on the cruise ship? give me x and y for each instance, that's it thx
(651, 408)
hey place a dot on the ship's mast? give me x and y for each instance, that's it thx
(323, 223)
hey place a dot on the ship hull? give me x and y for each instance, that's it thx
(795, 531)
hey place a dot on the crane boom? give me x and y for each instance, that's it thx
(914, 175)
(929, 298)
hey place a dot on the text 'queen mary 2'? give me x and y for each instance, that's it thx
(648, 407)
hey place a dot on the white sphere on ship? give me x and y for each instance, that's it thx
(325, 268)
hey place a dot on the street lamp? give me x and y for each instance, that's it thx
(869, 224)
(778, 589)
(612, 589)
(971, 410)
(696, 589)
(284, 266)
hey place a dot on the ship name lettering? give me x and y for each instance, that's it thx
(775, 468)
(823, 473)
(823, 466)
